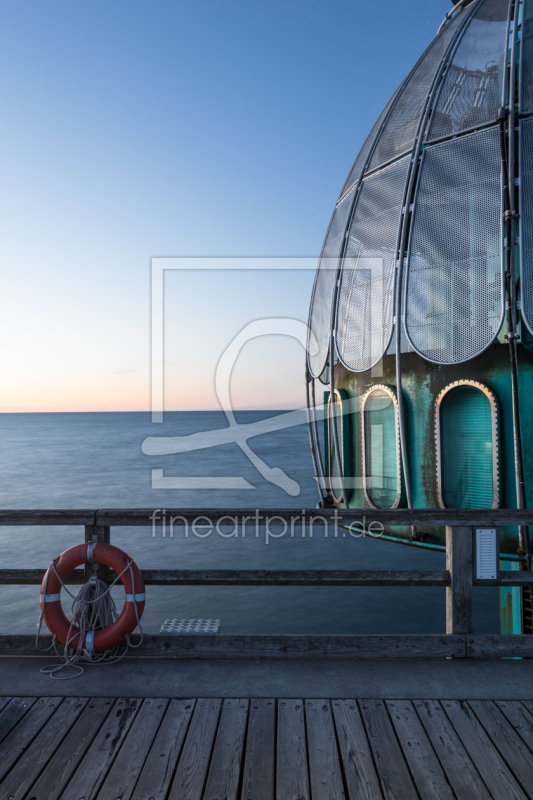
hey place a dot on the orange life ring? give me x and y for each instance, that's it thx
(54, 616)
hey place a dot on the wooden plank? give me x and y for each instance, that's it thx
(190, 776)
(396, 782)
(502, 645)
(47, 516)
(34, 577)
(515, 753)
(324, 766)
(490, 765)
(520, 718)
(38, 754)
(459, 617)
(263, 577)
(159, 768)
(457, 764)
(259, 764)
(93, 769)
(225, 770)
(254, 577)
(4, 702)
(13, 712)
(62, 765)
(424, 765)
(274, 646)
(528, 704)
(508, 578)
(471, 518)
(292, 778)
(25, 732)
(127, 766)
(360, 774)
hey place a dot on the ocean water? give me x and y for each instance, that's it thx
(94, 460)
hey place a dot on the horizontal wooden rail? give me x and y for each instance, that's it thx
(458, 578)
(253, 577)
(480, 646)
(272, 646)
(142, 517)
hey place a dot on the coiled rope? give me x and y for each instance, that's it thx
(93, 609)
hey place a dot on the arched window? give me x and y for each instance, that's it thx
(466, 418)
(338, 413)
(382, 479)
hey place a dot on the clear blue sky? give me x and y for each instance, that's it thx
(135, 129)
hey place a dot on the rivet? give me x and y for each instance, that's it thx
(176, 704)
(160, 706)
(284, 704)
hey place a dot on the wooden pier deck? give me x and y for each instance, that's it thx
(261, 749)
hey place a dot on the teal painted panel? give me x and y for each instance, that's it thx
(510, 616)
(467, 474)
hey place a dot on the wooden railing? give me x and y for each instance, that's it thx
(457, 579)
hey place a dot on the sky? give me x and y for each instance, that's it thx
(143, 129)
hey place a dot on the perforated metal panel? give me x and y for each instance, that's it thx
(364, 152)
(454, 275)
(526, 214)
(399, 132)
(366, 293)
(526, 56)
(320, 312)
(471, 91)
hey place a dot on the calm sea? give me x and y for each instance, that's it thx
(95, 461)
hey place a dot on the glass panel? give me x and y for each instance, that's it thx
(365, 306)
(381, 449)
(472, 90)
(526, 215)
(454, 293)
(400, 130)
(466, 429)
(526, 76)
(320, 312)
(338, 414)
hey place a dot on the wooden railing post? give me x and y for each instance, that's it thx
(97, 533)
(459, 593)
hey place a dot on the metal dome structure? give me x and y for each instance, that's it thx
(438, 129)
(425, 279)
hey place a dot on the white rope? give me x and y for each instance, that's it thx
(93, 609)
